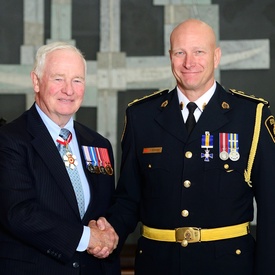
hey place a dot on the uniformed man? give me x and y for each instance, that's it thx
(190, 171)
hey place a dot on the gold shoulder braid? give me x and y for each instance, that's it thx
(241, 93)
(256, 134)
(139, 100)
(255, 140)
(148, 96)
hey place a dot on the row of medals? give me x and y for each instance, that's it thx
(233, 155)
(100, 169)
(70, 161)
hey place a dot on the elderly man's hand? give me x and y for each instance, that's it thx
(103, 238)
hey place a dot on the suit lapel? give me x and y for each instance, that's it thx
(46, 148)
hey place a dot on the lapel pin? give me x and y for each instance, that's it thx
(225, 105)
(164, 104)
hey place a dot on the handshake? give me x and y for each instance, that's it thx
(103, 238)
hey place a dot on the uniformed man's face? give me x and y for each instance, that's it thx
(194, 57)
(60, 90)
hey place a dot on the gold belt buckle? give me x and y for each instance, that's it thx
(185, 235)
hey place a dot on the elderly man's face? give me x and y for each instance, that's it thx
(60, 90)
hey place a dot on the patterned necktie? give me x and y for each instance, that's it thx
(191, 121)
(70, 163)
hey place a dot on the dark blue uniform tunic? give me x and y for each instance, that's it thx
(166, 182)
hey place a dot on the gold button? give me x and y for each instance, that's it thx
(185, 213)
(226, 166)
(140, 251)
(238, 252)
(149, 165)
(184, 243)
(187, 183)
(188, 154)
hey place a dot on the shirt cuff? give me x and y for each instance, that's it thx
(84, 241)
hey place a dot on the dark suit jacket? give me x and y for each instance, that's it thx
(151, 187)
(40, 226)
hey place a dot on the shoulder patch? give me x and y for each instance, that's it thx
(157, 93)
(270, 125)
(252, 97)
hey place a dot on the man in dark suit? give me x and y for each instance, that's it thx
(190, 175)
(47, 217)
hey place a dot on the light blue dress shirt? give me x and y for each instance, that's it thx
(54, 131)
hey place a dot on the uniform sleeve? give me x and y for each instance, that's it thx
(123, 215)
(263, 182)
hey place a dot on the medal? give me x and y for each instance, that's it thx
(106, 161)
(223, 155)
(229, 147)
(223, 140)
(100, 162)
(92, 151)
(90, 167)
(206, 155)
(207, 142)
(96, 169)
(233, 147)
(234, 155)
(109, 170)
(88, 159)
(70, 160)
(97, 160)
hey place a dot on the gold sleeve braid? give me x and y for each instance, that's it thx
(255, 140)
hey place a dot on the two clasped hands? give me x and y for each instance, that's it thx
(103, 238)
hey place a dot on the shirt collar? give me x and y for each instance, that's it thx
(201, 101)
(52, 127)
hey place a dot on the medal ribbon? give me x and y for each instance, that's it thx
(106, 159)
(68, 158)
(64, 142)
(105, 156)
(207, 140)
(223, 142)
(93, 155)
(99, 156)
(97, 160)
(233, 142)
(87, 154)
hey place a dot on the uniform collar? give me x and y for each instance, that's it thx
(201, 101)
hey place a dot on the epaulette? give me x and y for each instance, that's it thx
(252, 97)
(157, 93)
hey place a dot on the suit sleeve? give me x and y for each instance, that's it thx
(24, 216)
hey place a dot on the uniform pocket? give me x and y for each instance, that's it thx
(239, 247)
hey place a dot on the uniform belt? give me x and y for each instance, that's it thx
(185, 235)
